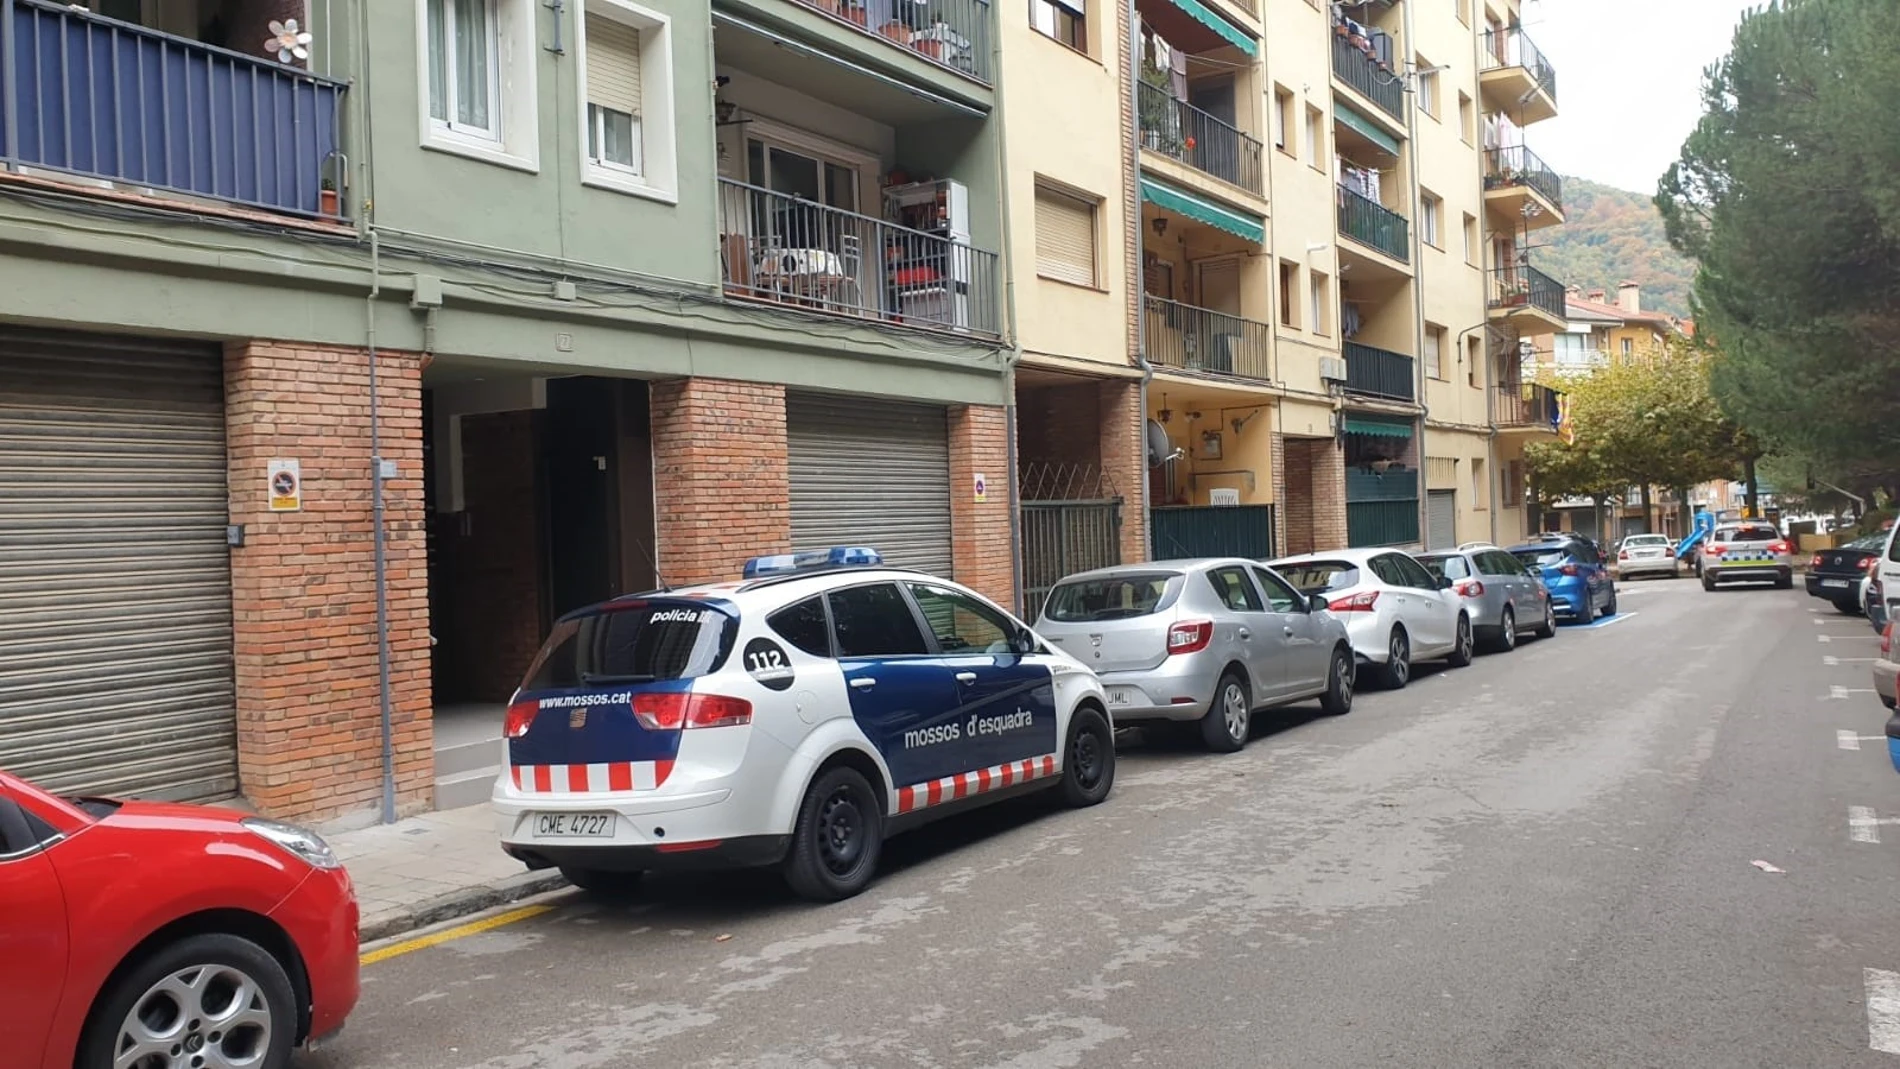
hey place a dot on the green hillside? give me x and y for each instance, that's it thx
(1610, 235)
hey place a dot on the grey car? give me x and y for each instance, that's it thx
(1646, 554)
(1503, 598)
(1207, 642)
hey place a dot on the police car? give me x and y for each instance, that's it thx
(795, 718)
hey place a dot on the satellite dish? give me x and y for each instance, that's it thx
(1160, 450)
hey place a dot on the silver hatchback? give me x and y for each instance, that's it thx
(1205, 641)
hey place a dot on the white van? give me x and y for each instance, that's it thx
(1888, 572)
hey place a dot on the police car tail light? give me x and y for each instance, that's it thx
(1778, 548)
(676, 712)
(1360, 602)
(520, 716)
(1716, 549)
(1190, 636)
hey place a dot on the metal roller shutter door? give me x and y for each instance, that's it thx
(1441, 519)
(115, 647)
(870, 472)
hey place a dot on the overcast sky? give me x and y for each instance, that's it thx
(1629, 80)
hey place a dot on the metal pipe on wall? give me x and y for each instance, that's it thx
(1133, 225)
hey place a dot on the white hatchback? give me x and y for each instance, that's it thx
(1394, 610)
(795, 718)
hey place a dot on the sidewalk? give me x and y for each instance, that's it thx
(432, 868)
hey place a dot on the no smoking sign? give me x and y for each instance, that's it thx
(284, 486)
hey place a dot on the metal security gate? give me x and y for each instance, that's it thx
(1065, 537)
(871, 472)
(1441, 519)
(115, 642)
(1182, 531)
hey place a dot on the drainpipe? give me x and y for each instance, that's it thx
(379, 538)
(1134, 238)
(1418, 278)
(1014, 353)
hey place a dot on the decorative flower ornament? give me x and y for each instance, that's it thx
(288, 41)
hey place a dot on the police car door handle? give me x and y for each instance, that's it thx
(966, 677)
(863, 683)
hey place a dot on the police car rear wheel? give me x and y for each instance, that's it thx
(839, 834)
(601, 882)
(1089, 762)
(1225, 727)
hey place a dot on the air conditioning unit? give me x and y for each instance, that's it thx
(1332, 368)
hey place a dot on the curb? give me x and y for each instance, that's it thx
(457, 904)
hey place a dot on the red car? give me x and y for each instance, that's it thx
(135, 935)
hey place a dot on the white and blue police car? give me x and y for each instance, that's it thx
(796, 717)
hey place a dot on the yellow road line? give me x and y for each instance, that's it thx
(446, 935)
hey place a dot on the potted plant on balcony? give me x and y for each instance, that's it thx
(896, 31)
(327, 201)
(854, 11)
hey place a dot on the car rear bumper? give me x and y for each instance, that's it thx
(1751, 571)
(1843, 586)
(321, 918)
(1884, 674)
(1567, 599)
(669, 823)
(1652, 566)
(1180, 688)
(747, 851)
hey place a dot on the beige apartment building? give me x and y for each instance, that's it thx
(1305, 255)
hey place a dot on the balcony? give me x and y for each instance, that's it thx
(1380, 373)
(951, 33)
(1520, 188)
(1200, 339)
(1526, 298)
(1362, 58)
(1397, 485)
(103, 101)
(1183, 132)
(1374, 225)
(799, 254)
(1381, 523)
(1527, 407)
(1515, 78)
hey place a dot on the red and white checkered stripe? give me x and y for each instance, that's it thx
(969, 784)
(570, 779)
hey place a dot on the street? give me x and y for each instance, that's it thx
(1546, 859)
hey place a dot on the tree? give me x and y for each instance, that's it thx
(1787, 193)
(1570, 469)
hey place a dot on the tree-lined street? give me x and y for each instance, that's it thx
(1547, 859)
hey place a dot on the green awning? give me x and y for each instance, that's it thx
(1206, 16)
(1195, 207)
(1366, 127)
(1377, 428)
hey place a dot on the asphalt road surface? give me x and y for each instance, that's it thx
(1546, 859)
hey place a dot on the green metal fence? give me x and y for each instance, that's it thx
(1381, 523)
(1211, 531)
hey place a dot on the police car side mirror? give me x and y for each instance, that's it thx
(1023, 643)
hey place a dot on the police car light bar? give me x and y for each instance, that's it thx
(835, 557)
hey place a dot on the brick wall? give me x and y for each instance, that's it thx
(1329, 493)
(1122, 443)
(303, 585)
(1277, 457)
(980, 530)
(1057, 425)
(487, 584)
(721, 477)
(1295, 514)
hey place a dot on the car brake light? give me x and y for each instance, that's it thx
(675, 711)
(1814, 561)
(1190, 637)
(1360, 602)
(520, 716)
(1778, 548)
(1716, 549)
(1568, 569)
(1470, 588)
(1886, 639)
(1622, 554)
(1872, 564)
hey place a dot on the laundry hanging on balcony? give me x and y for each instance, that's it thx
(1361, 180)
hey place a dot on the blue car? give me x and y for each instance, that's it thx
(1574, 572)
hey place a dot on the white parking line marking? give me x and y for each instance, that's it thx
(1822, 638)
(1833, 662)
(1840, 693)
(1883, 1009)
(1863, 826)
(1850, 741)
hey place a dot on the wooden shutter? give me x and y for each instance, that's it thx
(613, 65)
(1434, 353)
(1065, 237)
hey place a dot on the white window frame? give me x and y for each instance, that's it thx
(514, 139)
(1427, 87)
(658, 177)
(1434, 351)
(1431, 227)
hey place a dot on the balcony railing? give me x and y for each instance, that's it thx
(1370, 223)
(786, 249)
(1381, 523)
(1362, 58)
(1511, 48)
(1522, 285)
(100, 99)
(1199, 339)
(1526, 405)
(1374, 372)
(1382, 486)
(1184, 132)
(953, 33)
(1519, 166)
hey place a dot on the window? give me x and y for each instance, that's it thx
(1061, 21)
(875, 621)
(1119, 597)
(1065, 237)
(1453, 567)
(1570, 350)
(1412, 572)
(1628, 346)
(1280, 597)
(1471, 239)
(1289, 294)
(1434, 351)
(626, 79)
(1315, 136)
(1283, 119)
(1319, 288)
(961, 624)
(804, 626)
(1321, 577)
(1467, 118)
(666, 640)
(1386, 567)
(1480, 485)
(1464, 11)
(1513, 489)
(1427, 87)
(1473, 363)
(1235, 589)
(476, 82)
(1432, 210)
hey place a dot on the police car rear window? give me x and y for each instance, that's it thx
(1747, 534)
(1114, 597)
(1320, 577)
(634, 644)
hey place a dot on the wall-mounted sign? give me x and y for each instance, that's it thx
(982, 488)
(1223, 495)
(284, 486)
